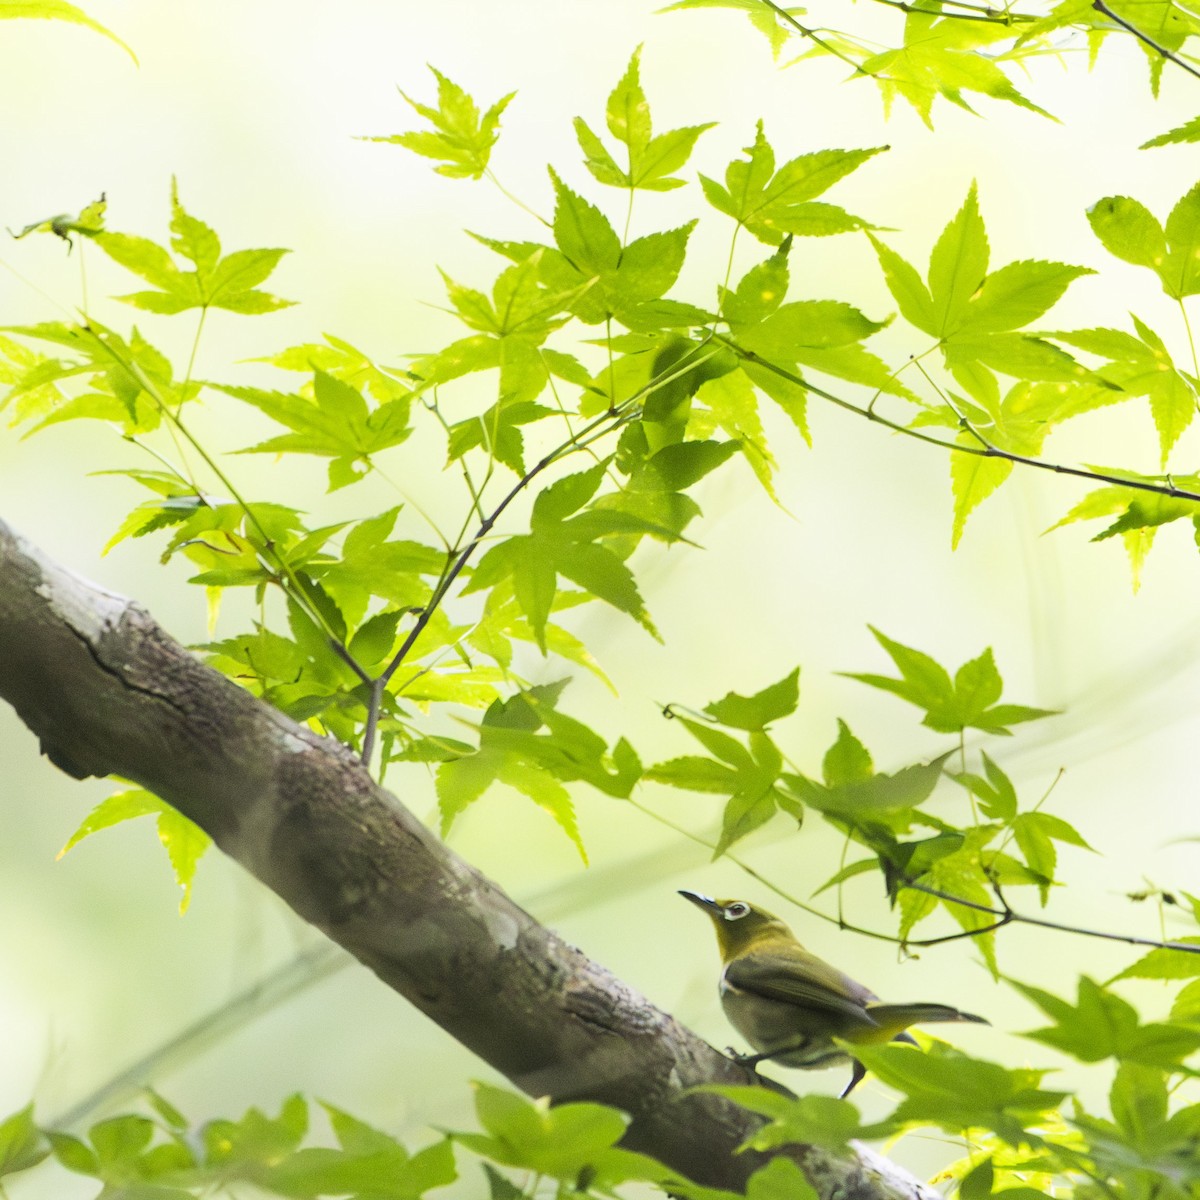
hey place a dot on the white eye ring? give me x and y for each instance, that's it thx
(736, 910)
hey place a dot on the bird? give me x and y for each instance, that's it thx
(790, 1005)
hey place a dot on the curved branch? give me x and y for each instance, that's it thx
(986, 449)
(107, 691)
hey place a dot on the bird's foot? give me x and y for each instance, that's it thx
(746, 1060)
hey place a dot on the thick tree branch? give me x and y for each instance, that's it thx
(107, 691)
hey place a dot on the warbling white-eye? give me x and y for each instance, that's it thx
(789, 1005)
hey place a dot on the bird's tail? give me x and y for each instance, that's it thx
(894, 1018)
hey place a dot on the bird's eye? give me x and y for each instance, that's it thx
(736, 910)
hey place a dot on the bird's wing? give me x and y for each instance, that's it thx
(807, 983)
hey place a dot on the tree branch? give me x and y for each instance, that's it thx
(107, 691)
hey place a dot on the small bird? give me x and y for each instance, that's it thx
(789, 1005)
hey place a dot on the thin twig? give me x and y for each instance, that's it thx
(1003, 915)
(976, 12)
(1009, 915)
(294, 976)
(814, 37)
(602, 426)
(985, 450)
(1145, 38)
(175, 422)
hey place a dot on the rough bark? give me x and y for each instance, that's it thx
(107, 691)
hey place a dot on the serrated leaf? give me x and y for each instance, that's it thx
(969, 701)
(772, 204)
(756, 712)
(1189, 131)
(228, 283)
(461, 140)
(907, 287)
(808, 324)
(957, 266)
(59, 10)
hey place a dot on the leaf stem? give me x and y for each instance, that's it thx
(1191, 340)
(515, 199)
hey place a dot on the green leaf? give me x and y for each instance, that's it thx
(757, 711)
(853, 792)
(1127, 228)
(652, 160)
(732, 401)
(514, 752)
(759, 292)
(973, 479)
(461, 140)
(771, 23)
(808, 324)
(121, 1138)
(950, 707)
(806, 1120)
(628, 112)
(996, 795)
(58, 10)
(1130, 231)
(1189, 131)
(121, 806)
(772, 204)
(1181, 272)
(73, 1153)
(1018, 293)
(1141, 366)
(562, 544)
(129, 382)
(500, 1188)
(847, 760)
(184, 841)
(334, 421)
(943, 1087)
(229, 283)
(907, 287)
(22, 1144)
(789, 394)
(1103, 1025)
(748, 775)
(1138, 1099)
(1018, 423)
(943, 56)
(574, 1143)
(957, 267)
(693, 773)
(583, 233)
(256, 1139)
(1165, 964)
(780, 1179)
(597, 159)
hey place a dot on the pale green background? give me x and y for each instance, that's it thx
(255, 108)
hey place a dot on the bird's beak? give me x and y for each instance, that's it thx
(707, 903)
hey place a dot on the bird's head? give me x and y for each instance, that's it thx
(738, 924)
